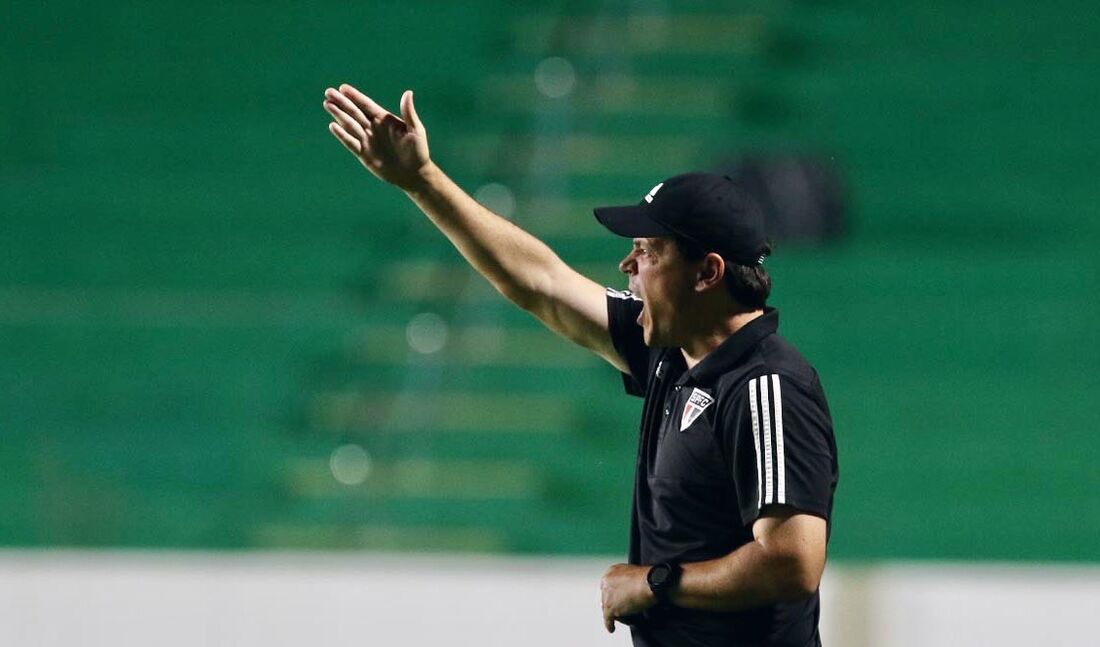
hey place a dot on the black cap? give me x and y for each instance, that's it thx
(712, 211)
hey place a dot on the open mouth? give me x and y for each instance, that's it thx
(634, 292)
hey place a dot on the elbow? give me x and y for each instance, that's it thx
(527, 300)
(798, 577)
(528, 293)
(523, 299)
(796, 549)
(519, 294)
(805, 584)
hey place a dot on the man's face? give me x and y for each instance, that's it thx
(660, 276)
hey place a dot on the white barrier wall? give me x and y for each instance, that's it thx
(64, 599)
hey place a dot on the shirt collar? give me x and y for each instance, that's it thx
(733, 349)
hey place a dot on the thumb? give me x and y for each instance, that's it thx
(408, 112)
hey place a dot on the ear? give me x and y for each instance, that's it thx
(712, 269)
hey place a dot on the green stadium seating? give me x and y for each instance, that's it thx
(202, 297)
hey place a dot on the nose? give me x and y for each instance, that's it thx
(628, 265)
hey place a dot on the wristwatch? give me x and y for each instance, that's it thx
(662, 579)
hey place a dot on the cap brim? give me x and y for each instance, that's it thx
(632, 221)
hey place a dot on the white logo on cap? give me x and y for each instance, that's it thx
(653, 192)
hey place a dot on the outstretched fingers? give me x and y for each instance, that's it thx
(348, 106)
(351, 143)
(346, 121)
(371, 109)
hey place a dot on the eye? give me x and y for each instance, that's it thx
(642, 249)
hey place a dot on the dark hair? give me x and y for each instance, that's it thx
(749, 285)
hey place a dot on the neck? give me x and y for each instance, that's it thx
(699, 346)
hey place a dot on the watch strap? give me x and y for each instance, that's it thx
(662, 579)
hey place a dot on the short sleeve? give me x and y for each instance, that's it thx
(783, 451)
(623, 309)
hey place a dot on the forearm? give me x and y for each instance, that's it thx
(748, 577)
(517, 264)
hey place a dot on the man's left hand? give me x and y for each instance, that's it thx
(624, 591)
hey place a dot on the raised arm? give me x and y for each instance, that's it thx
(518, 265)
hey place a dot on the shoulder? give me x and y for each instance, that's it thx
(775, 361)
(774, 355)
(622, 295)
(622, 314)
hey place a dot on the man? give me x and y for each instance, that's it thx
(737, 463)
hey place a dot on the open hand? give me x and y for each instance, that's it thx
(394, 149)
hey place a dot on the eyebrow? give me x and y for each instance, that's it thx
(655, 246)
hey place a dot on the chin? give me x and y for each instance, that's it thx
(652, 338)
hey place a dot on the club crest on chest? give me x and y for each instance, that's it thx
(696, 405)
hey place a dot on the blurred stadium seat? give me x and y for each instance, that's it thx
(202, 299)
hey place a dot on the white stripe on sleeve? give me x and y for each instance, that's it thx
(780, 461)
(756, 439)
(769, 479)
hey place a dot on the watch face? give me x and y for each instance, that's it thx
(658, 575)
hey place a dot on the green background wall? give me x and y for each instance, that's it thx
(202, 296)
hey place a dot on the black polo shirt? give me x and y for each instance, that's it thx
(747, 427)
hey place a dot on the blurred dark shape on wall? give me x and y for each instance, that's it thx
(802, 195)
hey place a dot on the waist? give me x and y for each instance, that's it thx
(783, 623)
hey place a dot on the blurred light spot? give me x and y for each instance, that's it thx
(350, 464)
(554, 77)
(497, 198)
(427, 333)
